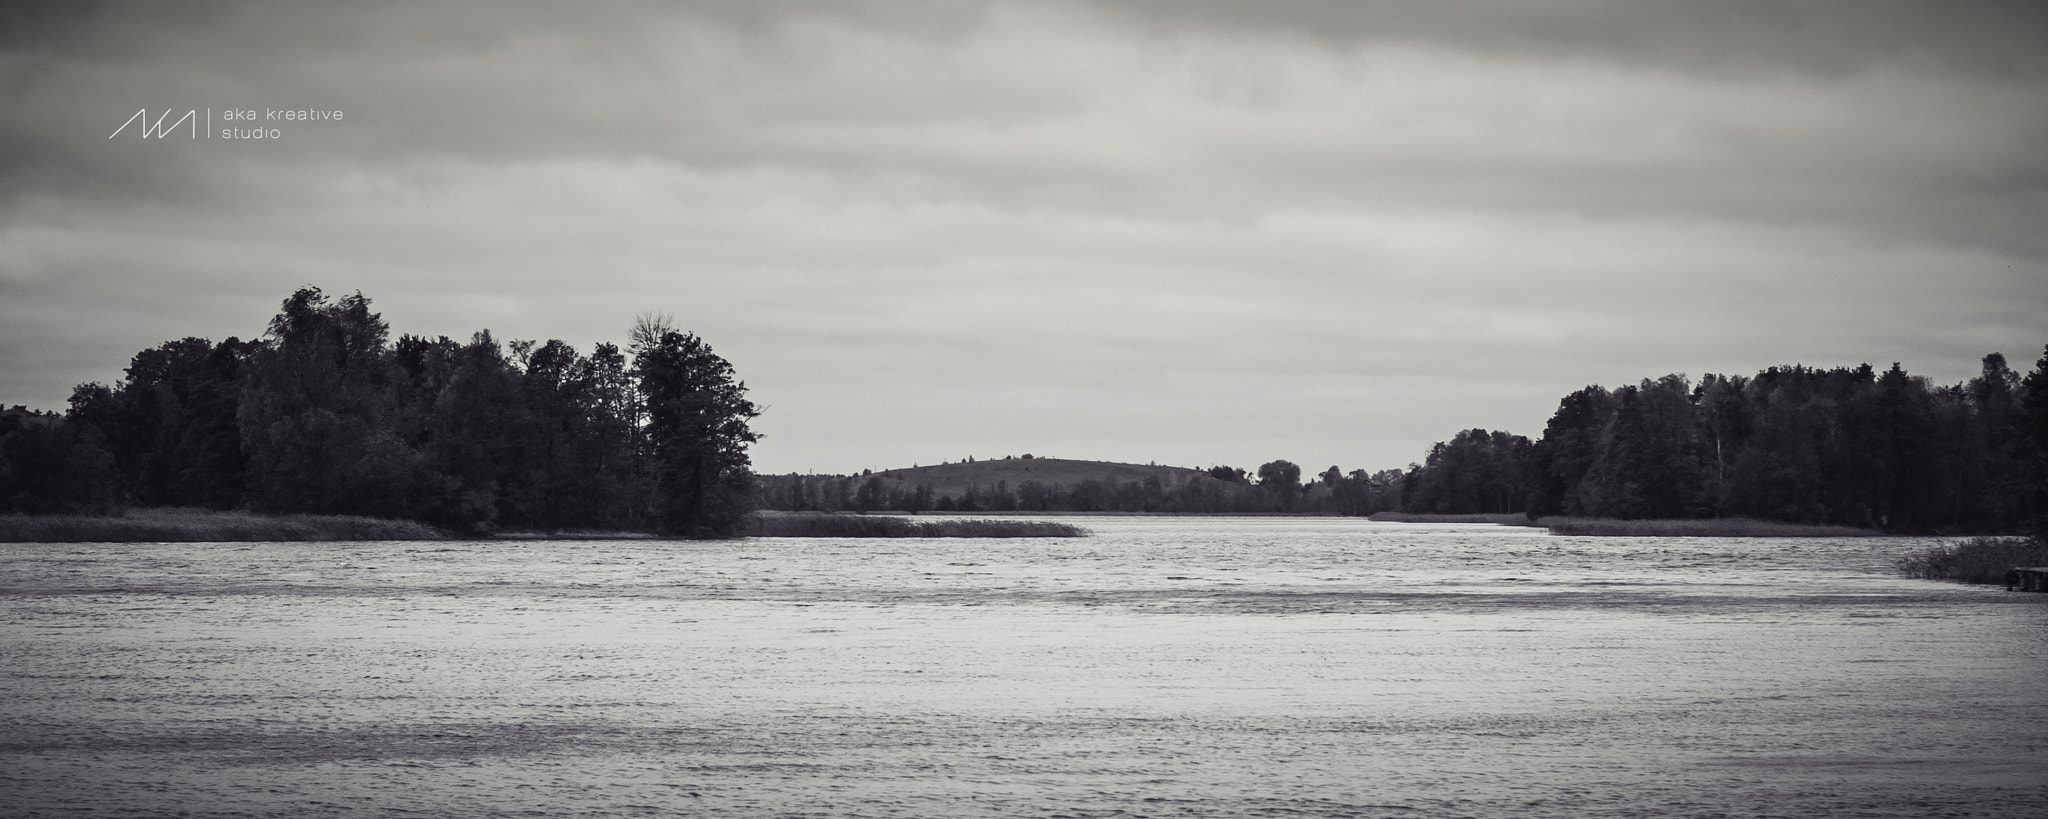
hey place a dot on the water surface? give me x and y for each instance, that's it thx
(1164, 667)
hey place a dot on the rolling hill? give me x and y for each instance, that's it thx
(952, 480)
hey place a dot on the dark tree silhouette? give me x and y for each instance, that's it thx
(325, 415)
(698, 427)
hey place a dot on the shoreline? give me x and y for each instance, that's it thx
(188, 525)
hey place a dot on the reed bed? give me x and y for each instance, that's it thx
(177, 525)
(1508, 519)
(573, 534)
(894, 526)
(1982, 560)
(1703, 527)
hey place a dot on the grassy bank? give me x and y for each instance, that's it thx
(206, 525)
(1509, 519)
(574, 534)
(1706, 527)
(894, 526)
(1977, 560)
(178, 525)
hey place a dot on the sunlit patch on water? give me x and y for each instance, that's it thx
(1164, 667)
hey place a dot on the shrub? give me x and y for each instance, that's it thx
(1977, 560)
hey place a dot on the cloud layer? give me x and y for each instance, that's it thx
(1183, 232)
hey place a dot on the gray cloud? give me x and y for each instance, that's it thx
(1184, 232)
(2001, 41)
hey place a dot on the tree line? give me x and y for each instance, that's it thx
(325, 414)
(1276, 488)
(1843, 446)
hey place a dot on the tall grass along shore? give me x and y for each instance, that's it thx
(821, 525)
(181, 525)
(1703, 527)
(1616, 527)
(178, 525)
(1982, 560)
(1508, 519)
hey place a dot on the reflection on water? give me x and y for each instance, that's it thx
(1164, 667)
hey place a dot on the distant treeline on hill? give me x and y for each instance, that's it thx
(324, 415)
(1047, 485)
(1845, 447)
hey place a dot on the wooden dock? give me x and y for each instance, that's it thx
(2027, 578)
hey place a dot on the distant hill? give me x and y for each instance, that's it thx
(952, 480)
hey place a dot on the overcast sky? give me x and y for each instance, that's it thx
(1183, 232)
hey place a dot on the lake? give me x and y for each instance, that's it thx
(1163, 667)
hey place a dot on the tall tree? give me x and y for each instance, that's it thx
(1995, 397)
(315, 413)
(1724, 424)
(1571, 442)
(2033, 434)
(1647, 465)
(698, 428)
(1281, 482)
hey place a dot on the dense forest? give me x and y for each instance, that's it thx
(325, 414)
(1844, 446)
